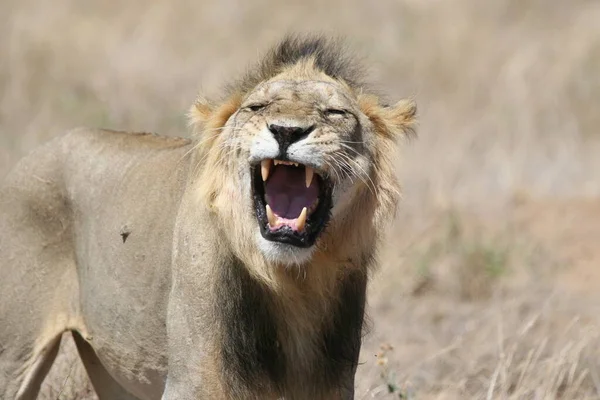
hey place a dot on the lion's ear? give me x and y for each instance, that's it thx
(205, 115)
(200, 112)
(390, 121)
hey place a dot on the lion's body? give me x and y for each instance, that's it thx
(149, 251)
(78, 250)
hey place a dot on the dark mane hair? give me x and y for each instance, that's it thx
(331, 56)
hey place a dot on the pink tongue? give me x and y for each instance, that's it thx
(286, 192)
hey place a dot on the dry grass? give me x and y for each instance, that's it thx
(488, 285)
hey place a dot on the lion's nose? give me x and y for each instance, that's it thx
(286, 135)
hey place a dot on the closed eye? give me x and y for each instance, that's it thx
(256, 107)
(334, 111)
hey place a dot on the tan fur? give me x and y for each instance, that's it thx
(391, 124)
(303, 292)
(142, 223)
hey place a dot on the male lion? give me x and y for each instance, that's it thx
(229, 266)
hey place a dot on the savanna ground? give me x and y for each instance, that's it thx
(490, 281)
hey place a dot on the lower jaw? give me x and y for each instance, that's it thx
(276, 256)
(297, 224)
(287, 235)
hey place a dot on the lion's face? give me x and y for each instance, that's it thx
(296, 156)
(304, 146)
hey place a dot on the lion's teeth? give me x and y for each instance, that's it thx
(265, 167)
(309, 175)
(301, 220)
(271, 216)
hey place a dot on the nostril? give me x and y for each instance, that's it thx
(286, 135)
(276, 129)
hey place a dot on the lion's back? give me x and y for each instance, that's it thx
(90, 164)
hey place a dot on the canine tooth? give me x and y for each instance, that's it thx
(265, 167)
(276, 162)
(270, 216)
(301, 221)
(310, 173)
(295, 164)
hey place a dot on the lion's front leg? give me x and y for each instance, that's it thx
(193, 371)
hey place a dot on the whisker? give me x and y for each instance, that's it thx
(349, 141)
(371, 187)
(204, 140)
(333, 169)
(195, 147)
(352, 149)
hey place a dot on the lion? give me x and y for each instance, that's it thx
(232, 264)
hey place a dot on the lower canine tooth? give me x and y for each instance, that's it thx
(301, 221)
(270, 216)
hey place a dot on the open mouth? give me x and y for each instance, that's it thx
(292, 201)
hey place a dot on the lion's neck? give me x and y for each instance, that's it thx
(292, 337)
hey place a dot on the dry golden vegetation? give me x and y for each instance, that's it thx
(489, 287)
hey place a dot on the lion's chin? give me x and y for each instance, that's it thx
(284, 254)
(292, 204)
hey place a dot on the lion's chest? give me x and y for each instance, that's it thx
(261, 348)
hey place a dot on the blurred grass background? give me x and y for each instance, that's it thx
(490, 280)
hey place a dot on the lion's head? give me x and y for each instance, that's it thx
(296, 160)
